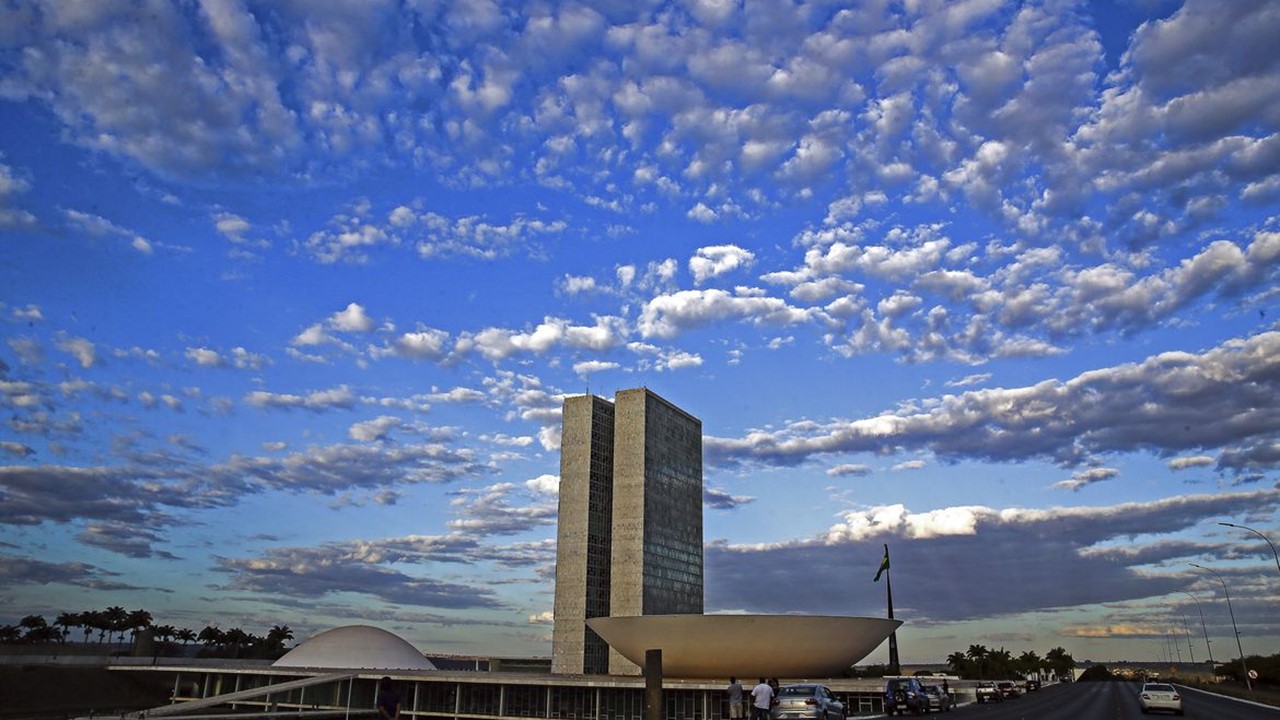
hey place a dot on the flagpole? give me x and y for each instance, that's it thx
(894, 667)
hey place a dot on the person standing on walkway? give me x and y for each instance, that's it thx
(388, 700)
(761, 700)
(735, 699)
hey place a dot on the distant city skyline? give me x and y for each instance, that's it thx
(294, 294)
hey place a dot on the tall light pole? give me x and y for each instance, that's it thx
(1203, 627)
(1264, 537)
(1185, 631)
(1243, 666)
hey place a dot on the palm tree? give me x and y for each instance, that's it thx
(277, 636)
(978, 654)
(165, 633)
(117, 619)
(186, 635)
(236, 638)
(1000, 663)
(10, 633)
(37, 630)
(1059, 661)
(211, 636)
(958, 662)
(93, 620)
(137, 620)
(67, 621)
(1029, 663)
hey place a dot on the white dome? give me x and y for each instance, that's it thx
(356, 647)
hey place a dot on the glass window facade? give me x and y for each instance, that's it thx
(630, 535)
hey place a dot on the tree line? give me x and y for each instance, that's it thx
(980, 662)
(113, 623)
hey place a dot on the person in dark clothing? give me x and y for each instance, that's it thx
(388, 701)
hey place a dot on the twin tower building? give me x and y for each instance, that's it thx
(629, 536)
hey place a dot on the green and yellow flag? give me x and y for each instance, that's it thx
(884, 564)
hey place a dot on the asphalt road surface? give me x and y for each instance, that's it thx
(1107, 701)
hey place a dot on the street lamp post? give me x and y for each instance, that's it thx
(1247, 683)
(1185, 631)
(1264, 537)
(1203, 627)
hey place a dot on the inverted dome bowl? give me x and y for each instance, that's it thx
(750, 646)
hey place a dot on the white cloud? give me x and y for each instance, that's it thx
(81, 349)
(666, 316)
(587, 367)
(1088, 477)
(205, 357)
(339, 397)
(352, 319)
(715, 260)
(848, 470)
(374, 430)
(544, 485)
(1190, 461)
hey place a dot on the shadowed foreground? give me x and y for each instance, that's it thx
(41, 691)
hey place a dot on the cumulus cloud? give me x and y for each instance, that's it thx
(12, 184)
(352, 319)
(666, 316)
(716, 260)
(374, 430)
(81, 349)
(500, 343)
(340, 397)
(720, 499)
(936, 543)
(489, 511)
(1100, 411)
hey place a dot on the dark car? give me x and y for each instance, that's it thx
(937, 698)
(1032, 685)
(807, 701)
(905, 695)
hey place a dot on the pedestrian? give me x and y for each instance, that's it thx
(735, 699)
(388, 700)
(761, 700)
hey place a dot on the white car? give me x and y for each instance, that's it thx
(1160, 696)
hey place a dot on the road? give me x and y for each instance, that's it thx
(1107, 701)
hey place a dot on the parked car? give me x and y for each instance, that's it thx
(1032, 684)
(1160, 696)
(986, 691)
(937, 699)
(1008, 689)
(903, 695)
(807, 701)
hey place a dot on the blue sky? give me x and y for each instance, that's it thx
(293, 292)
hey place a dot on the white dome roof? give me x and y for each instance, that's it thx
(356, 647)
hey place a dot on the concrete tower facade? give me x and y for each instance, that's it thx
(629, 535)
